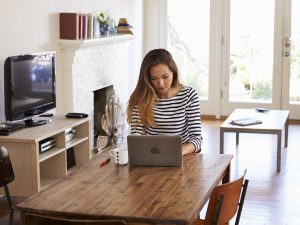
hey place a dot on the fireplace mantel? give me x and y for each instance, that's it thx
(75, 44)
(89, 65)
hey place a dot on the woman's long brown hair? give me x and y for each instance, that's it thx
(144, 96)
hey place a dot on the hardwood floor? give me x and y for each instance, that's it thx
(272, 198)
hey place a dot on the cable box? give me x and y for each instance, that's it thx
(47, 144)
(69, 134)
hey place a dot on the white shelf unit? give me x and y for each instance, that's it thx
(34, 171)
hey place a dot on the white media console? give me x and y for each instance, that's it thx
(35, 171)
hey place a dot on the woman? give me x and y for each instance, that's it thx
(161, 105)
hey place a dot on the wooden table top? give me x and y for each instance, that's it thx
(135, 194)
(271, 120)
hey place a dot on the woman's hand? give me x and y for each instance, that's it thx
(188, 148)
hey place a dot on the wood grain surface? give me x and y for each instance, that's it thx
(169, 195)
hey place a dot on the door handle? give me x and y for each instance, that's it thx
(287, 54)
(287, 41)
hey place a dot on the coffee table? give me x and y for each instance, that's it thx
(273, 122)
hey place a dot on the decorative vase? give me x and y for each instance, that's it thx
(113, 122)
(103, 27)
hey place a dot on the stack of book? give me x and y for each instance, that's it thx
(123, 27)
(76, 26)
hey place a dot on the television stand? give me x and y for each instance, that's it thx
(35, 170)
(35, 123)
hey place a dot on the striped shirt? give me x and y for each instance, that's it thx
(179, 115)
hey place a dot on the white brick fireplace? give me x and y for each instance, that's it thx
(89, 65)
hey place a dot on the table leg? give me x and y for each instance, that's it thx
(237, 138)
(226, 178)
(286, 132)
(221, 141)
(23, 219)
(279, 151)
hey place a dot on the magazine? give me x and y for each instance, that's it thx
(245, 122)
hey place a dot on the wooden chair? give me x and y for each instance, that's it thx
(225, 201)
(7, 208)
(36, 219)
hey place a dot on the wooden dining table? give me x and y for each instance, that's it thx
(137, 195)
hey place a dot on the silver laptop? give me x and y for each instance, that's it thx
(154, 150)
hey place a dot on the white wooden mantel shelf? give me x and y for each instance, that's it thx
(86, 43)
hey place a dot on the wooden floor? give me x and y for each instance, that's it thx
(272, 198)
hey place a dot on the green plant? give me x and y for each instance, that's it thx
(246, 82)
(262, 90)
(103, 17)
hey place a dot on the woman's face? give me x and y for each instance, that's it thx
(161, 78)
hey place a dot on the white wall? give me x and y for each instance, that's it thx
(33, 26)
(155, 24)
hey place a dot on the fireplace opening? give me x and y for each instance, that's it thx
(101, 98)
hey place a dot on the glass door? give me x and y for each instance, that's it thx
(261, 55)
(237, 53)
(188, 39)
(291, 58)
(249, 74)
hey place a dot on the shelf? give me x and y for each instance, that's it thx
(38, 171)
(76, 44)
(75, 141)
(50, 153)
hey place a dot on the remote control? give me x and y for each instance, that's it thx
(46, 115)
(6, 129)
(76, 115)
(262, 110)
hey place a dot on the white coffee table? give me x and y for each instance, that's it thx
(273, 122)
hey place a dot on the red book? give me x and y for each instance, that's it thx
(84, 26)
(68, 26)
(80, 26)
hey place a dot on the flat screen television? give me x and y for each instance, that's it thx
(29, 87)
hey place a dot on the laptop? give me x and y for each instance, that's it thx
(154, 150)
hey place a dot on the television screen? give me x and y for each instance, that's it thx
(29, 85)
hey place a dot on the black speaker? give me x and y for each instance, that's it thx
(70, 158)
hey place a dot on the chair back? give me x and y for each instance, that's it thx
(225, 201)
(6, 174)
(36, 219)
(6, 171)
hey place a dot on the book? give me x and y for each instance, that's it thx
(90, 26)
(124, 30)
(96, 31)
(245, 122)
(68, 26)
(80, 26)
(84, 26)
(124, 27)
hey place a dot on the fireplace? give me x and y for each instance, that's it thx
(101, 98)
(89, 65)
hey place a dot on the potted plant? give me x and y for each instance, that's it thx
(103, 20)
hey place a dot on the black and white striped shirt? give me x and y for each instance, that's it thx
(179, 115)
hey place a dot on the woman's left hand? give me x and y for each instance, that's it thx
(188, 148)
